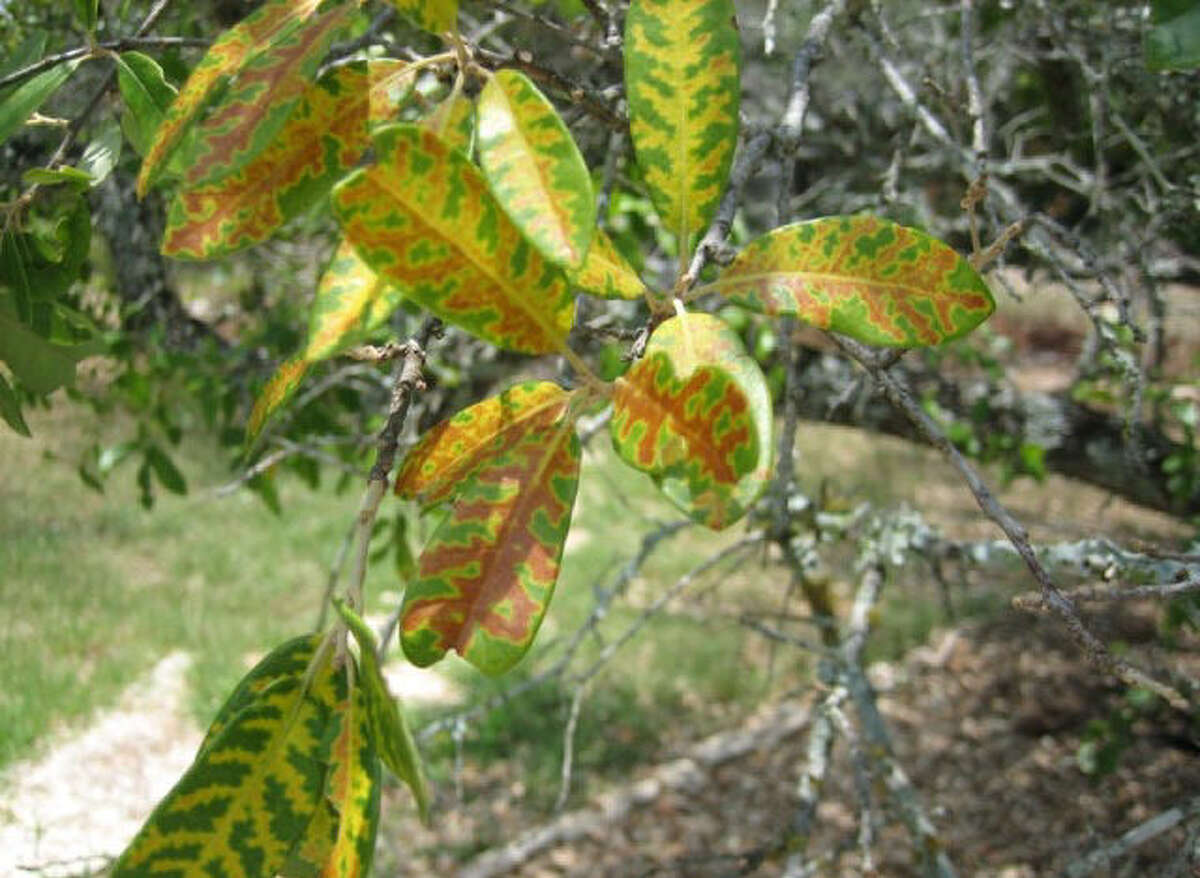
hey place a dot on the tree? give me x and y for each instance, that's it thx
(461, 193)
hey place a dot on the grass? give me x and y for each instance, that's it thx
(95, 590)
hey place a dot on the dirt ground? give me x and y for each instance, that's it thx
(987, 721)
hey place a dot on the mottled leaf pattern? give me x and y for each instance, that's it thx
(247, 117)
(277, 391)
(693, 341)
(351, 301)
(251, 796)
(423, 218)
(450, 452)
(682, 60)
(394, 739)
(435, 16)
(697, 430)
(340, 842)
(323, 139)
(453, 122)
(488, 572)
(535, 169)
(225, 56)
(863, 276)
(606, 274)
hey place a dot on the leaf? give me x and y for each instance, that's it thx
(862, 276)
(535, 169)
(682, 60)
(102, 154)
(43, 262)
(435, 16)
(392, 735)
(698, 431)
(10, 409)
(449, 453)
(453, 122)
(276, 392)
(340, 842)
(253, 792)
(147, 95)
(323, 139)
(248, 117)
(606, 273)
(236, 47)
(40, 365)
(19, 102)
(423, 218)
(351, 300)
(486, 576)
(693, 341)
(74, 177)
(168, 474)
(1174, 42)
(86, 12)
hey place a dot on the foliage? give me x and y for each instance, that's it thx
(458, 191)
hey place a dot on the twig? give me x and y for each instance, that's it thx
(564, 786)
(1133, 593)
(1103, 857)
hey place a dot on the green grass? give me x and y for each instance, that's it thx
(95, 589)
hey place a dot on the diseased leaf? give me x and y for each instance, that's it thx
(606, 274)
(147, 95)
(682, 60)
(453, 122)
(340, 842)
(276, 392)
(251, 796)
(19, 102)
(273, 21)
(435, 16)
(535, 169)
(351, 301)
(449, 453)
(423, 218)
(391, 732)
(248, 116)
(486, 576)
(862, 276)
(693, 341)
(697, 432)
(323, 139)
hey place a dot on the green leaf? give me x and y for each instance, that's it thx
(392, 735)
(168, 474)
(42, 262)
(1174, 43)
(256, 787)
(435, 16)
(10, 409)
(19, 102)
(693, 341)
(535, 169)
(423, 218)
(40, 365)
(486, 576)
(862, 276)
(86, 11)
(682, 61)
(147, 95)
(102, 154)
(52, 177)
(697, 432)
